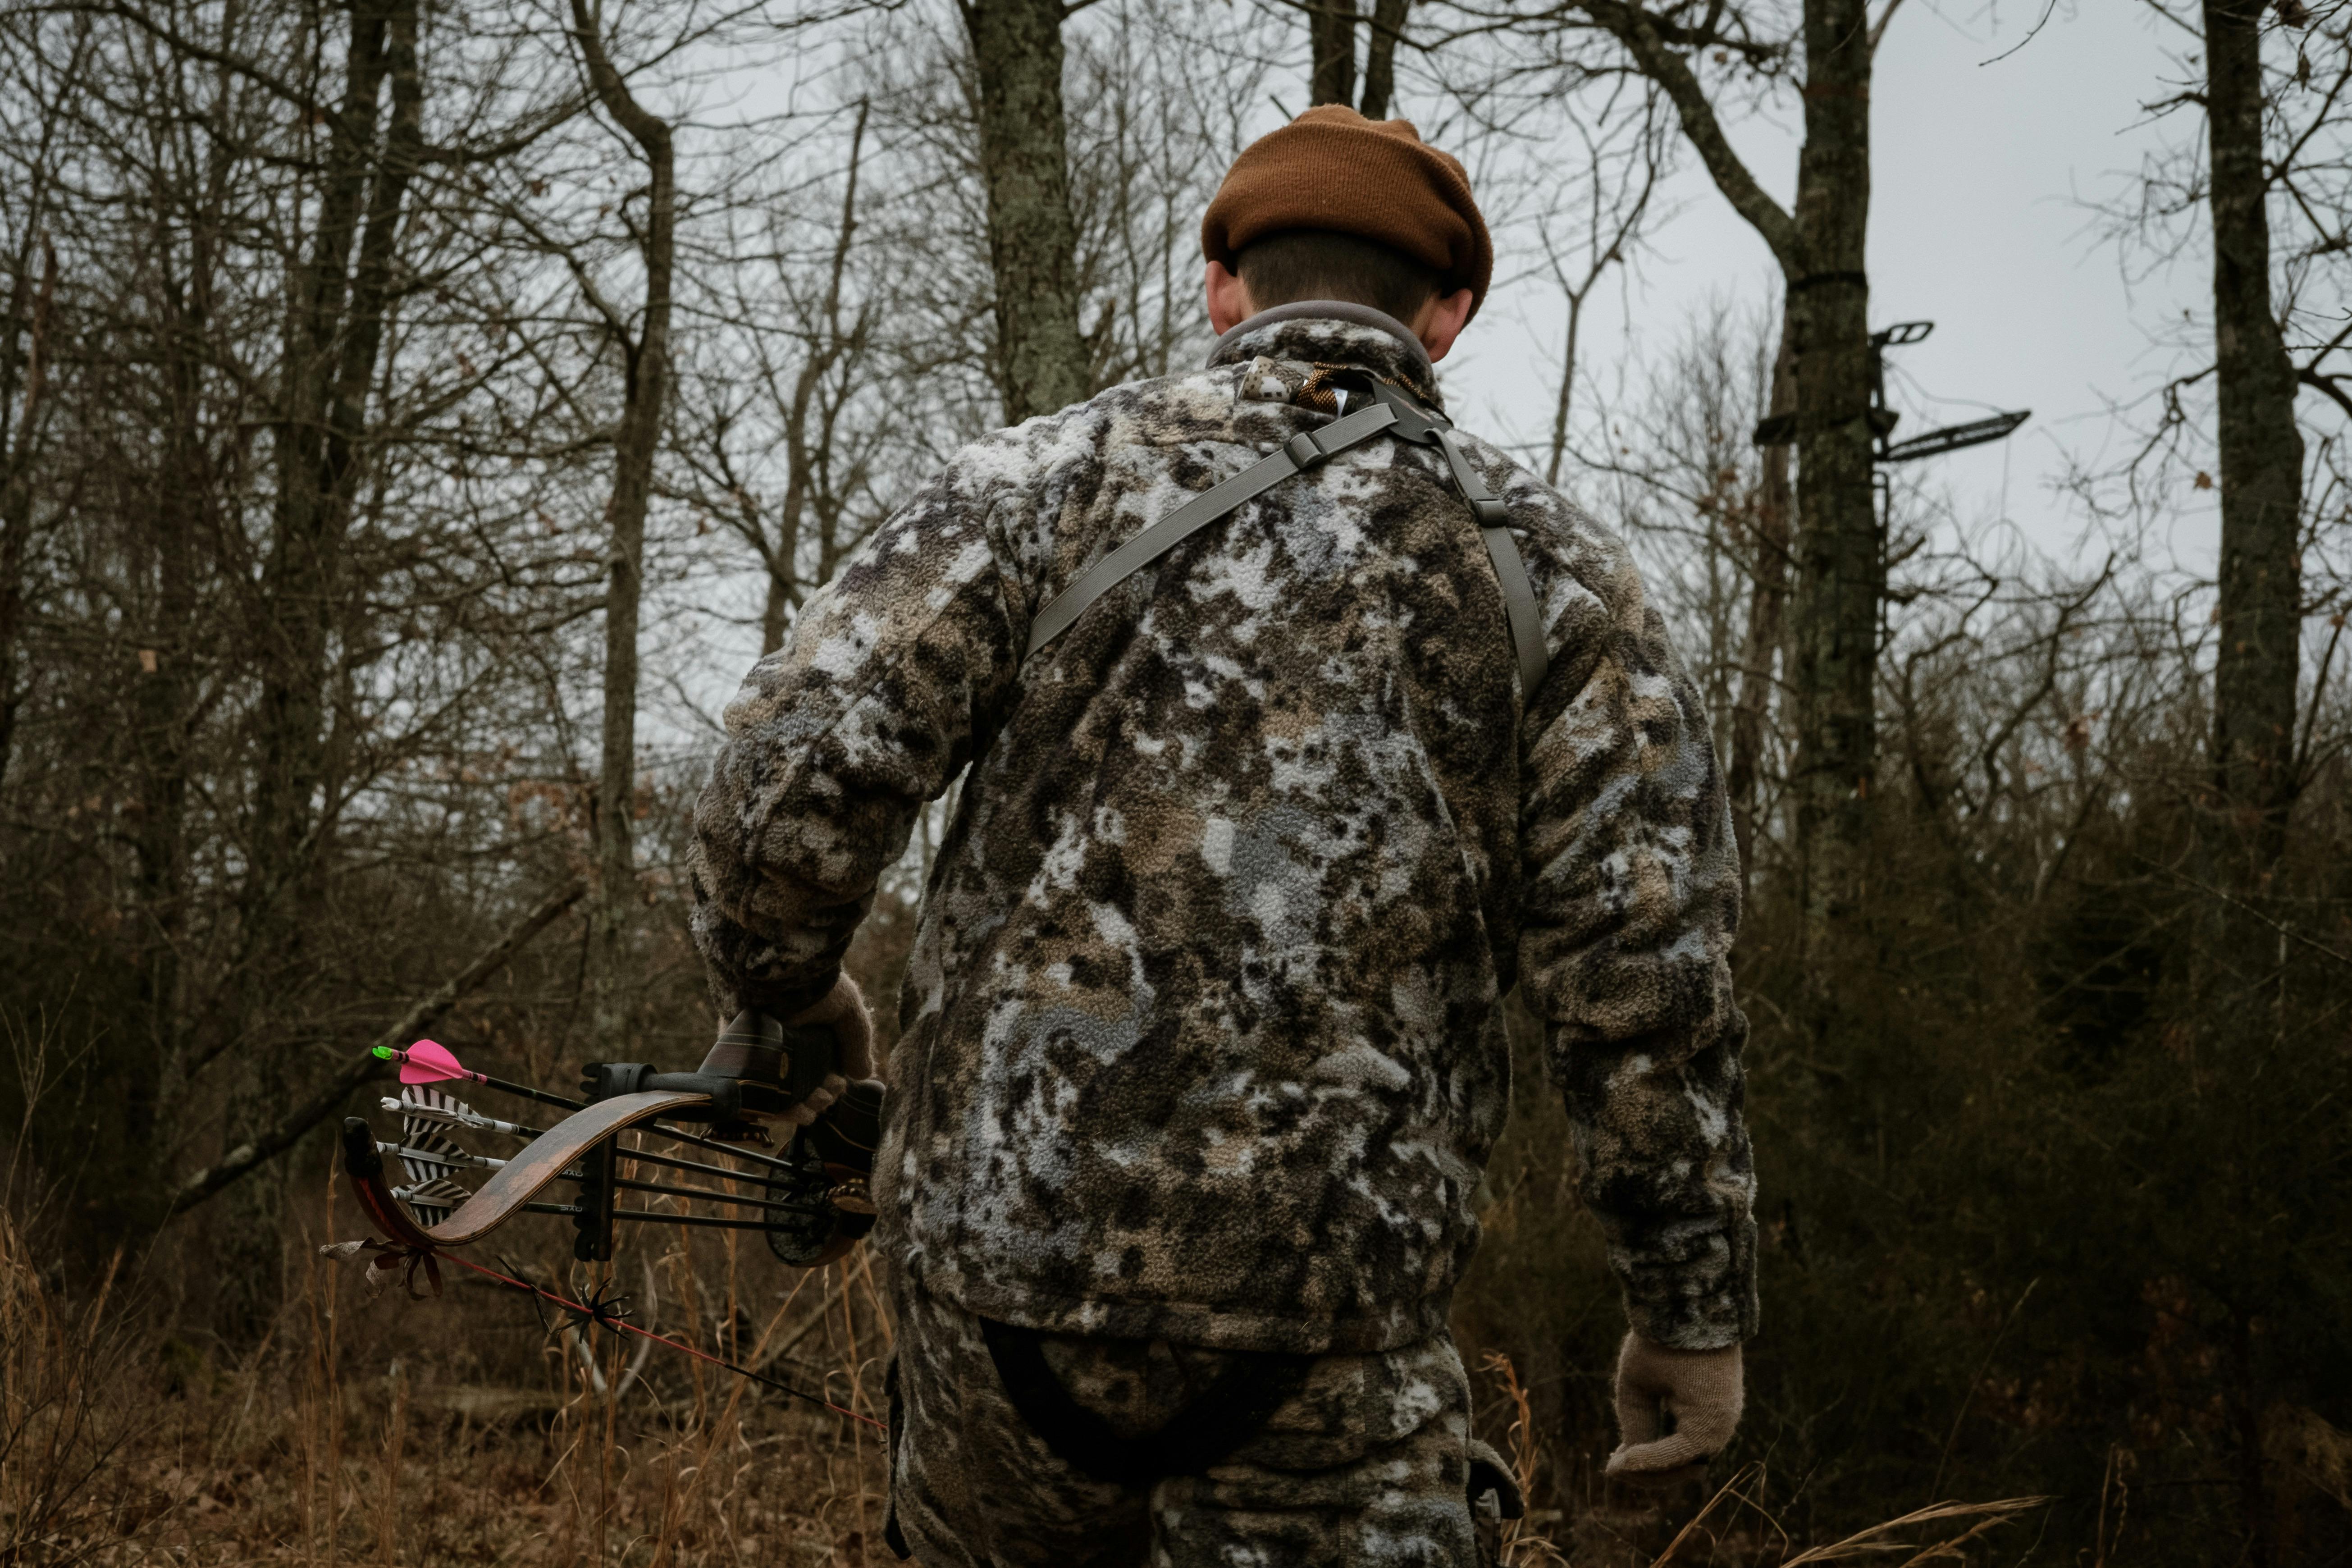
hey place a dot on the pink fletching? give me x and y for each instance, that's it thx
(429, 1061)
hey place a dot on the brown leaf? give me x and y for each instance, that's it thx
(2204, 481)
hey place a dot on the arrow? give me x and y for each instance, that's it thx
(458, 1115)
(429, 1061)
(439, 1157)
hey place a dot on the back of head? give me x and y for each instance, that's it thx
(1315, 264)
(1334, 205)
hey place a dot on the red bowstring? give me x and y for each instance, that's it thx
(663, 1340)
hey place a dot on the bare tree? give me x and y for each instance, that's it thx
(2258, 656)
(1331, 52)
(800, 376)
(27, 344)
(1017, 60)
(2276, 188)
(1387, 20)
(1622, 161)
(1331, 26)
(335, 331)
(1155, 122)
(645, 352)
(1707, 63)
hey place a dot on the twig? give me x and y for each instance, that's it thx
(1969, 1397)
(2212, 892)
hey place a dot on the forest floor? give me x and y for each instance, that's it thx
(476, 1426)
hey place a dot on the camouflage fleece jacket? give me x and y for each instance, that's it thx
(1202, 1035)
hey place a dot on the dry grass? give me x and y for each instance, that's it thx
(66, 1415)
(1733, 1528)
(389, 1430)
(450, 1430)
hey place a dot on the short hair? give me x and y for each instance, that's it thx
(1315, 264)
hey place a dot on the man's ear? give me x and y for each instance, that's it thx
(1442, 320)
(1229, 300)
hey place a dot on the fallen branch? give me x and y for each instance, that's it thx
(358, 1069)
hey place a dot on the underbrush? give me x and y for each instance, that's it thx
(476, 1425)
(481, 1426)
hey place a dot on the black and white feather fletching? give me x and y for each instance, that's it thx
(432, 1201)
(424, 1135)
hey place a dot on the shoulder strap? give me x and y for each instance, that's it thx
(1301, 452)
(1425, 427)
(1391, 411)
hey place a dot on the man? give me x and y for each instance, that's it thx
(1204, 1047)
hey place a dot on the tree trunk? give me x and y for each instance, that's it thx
(828, 345)
(1841, 567)
(299, 582)
(1016, 56)
(636, 447)
(16, 540)
(1769, 547)
(29, 307)
(1841, 575)
(2258, 658)
(162, 698)
(331, 350)
(371, 285)
(1331, 46)
(775, 614)
(1380, 57)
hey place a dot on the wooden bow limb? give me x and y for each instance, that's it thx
(358, 1069)
(518, 1183)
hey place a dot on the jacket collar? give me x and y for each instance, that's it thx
(1332, 332)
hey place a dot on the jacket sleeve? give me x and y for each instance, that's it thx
(1629, 902)
(836, 741)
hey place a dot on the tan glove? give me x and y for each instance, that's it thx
(844, 1010)
(1697, 1393)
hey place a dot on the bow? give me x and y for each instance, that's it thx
(810, 1200)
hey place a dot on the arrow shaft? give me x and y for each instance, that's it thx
(458, 1115)
(441, 1157)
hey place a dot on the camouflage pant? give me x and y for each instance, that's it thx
(1344, 1461)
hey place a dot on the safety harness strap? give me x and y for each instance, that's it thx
(1232, 1408)
(1391, 412)
(1301, 452)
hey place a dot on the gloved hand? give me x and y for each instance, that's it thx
(843, 1009)
(1697, 1394)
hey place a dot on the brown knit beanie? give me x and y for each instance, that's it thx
(1334, 170)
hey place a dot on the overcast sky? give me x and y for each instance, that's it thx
(1977, 223)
